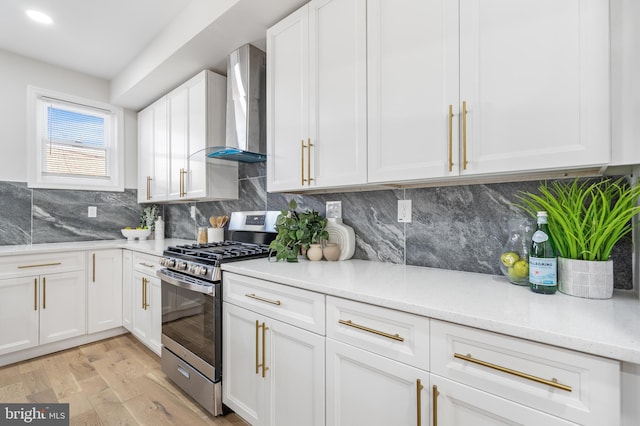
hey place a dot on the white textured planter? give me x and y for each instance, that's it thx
(585, 278)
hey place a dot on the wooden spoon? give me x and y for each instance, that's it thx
(213, 221)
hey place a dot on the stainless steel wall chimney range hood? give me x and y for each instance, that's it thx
(246, 107)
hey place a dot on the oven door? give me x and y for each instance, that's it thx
(192, 321)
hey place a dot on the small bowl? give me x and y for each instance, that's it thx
(133, 234)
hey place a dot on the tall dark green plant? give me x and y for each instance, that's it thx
(586, 219)
(296, 230)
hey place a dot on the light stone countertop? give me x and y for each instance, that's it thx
(609, 328)
(154, 247)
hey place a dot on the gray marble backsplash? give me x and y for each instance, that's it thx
(454, 227)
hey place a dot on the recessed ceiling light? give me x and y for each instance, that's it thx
(39, 17)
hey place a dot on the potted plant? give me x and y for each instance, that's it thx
(586, 220)
(297, 231)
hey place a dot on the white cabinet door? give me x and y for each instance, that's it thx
(178, 101)
(63, 309)
(338, 92)
(153, 152)
(460, 405)
(412, 79)
(104, 290)
(155, 305)
(127, 289)
(141, 317)
(316, 96)
(274, 372)
(534, 76)
(19, 314)
(367, 389)
(294, 357)
(287, 101)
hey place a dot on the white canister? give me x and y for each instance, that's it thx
(215, 235)
(342, 235)
(159, 228)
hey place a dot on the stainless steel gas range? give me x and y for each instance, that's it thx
(192, 304)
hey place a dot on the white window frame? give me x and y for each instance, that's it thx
(36, 129)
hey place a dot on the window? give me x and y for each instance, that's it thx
(74, 143)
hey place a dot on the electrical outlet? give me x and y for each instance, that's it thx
(193, 212)
(334, 209)
(404, 211)
(92, 211)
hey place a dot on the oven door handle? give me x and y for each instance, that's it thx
(188, 286)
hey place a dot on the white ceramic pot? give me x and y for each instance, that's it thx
(331, 251)
(585, 278)
(314, 252)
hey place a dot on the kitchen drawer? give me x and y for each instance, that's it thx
(146, 263)
(578, 387)
(298, 307)
(39, 264)
(398, 335)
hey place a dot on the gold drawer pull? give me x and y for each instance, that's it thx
(371, 330)
(262, 299)
(39, 265)
(147, 265)
(553, 382)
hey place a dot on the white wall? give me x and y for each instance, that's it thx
(16, 73)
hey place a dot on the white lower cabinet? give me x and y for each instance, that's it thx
(273, 371)
(145, 294)
(535, 378)
(104, 289)
(127, 289)
(455, 404)
(368, 389)
(41, 308)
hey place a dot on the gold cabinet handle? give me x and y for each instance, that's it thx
(450, 137)
(183, 193)
(144, 293)
(94, 267)
(35, 294)
(371, 330)
(258, 363)
(262, 299)
(464, 135)
(264, 358)
(419, 388)
(147, 265)
(148, 187)
(309, 178)
(257, 351)
(302, 179)
(434, 405)
(44, 293)
(553, 382)
(39, 265)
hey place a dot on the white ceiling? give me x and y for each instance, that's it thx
(94, 37)
(143, 47)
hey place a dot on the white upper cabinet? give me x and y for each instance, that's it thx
(174, 134)
(153, 153)
(452, 88)
(413, 73)
(316, 114)
(534, 76)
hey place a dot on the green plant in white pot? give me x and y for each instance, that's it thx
(586, 220)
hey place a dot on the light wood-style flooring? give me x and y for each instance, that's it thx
(117, 381)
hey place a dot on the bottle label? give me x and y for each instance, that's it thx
(543, 271)
(539, 237)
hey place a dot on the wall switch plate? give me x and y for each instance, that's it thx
(193, 212)
(404, 211)
(92, 211)
(334, 209)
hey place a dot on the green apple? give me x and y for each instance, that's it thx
(509, 258)
(520, 269)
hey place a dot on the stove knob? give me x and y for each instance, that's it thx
(201, 270)
(181, 266)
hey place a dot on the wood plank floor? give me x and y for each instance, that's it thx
(116, 381)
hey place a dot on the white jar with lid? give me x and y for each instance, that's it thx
(343, 235)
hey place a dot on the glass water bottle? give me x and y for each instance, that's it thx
(543, 261)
